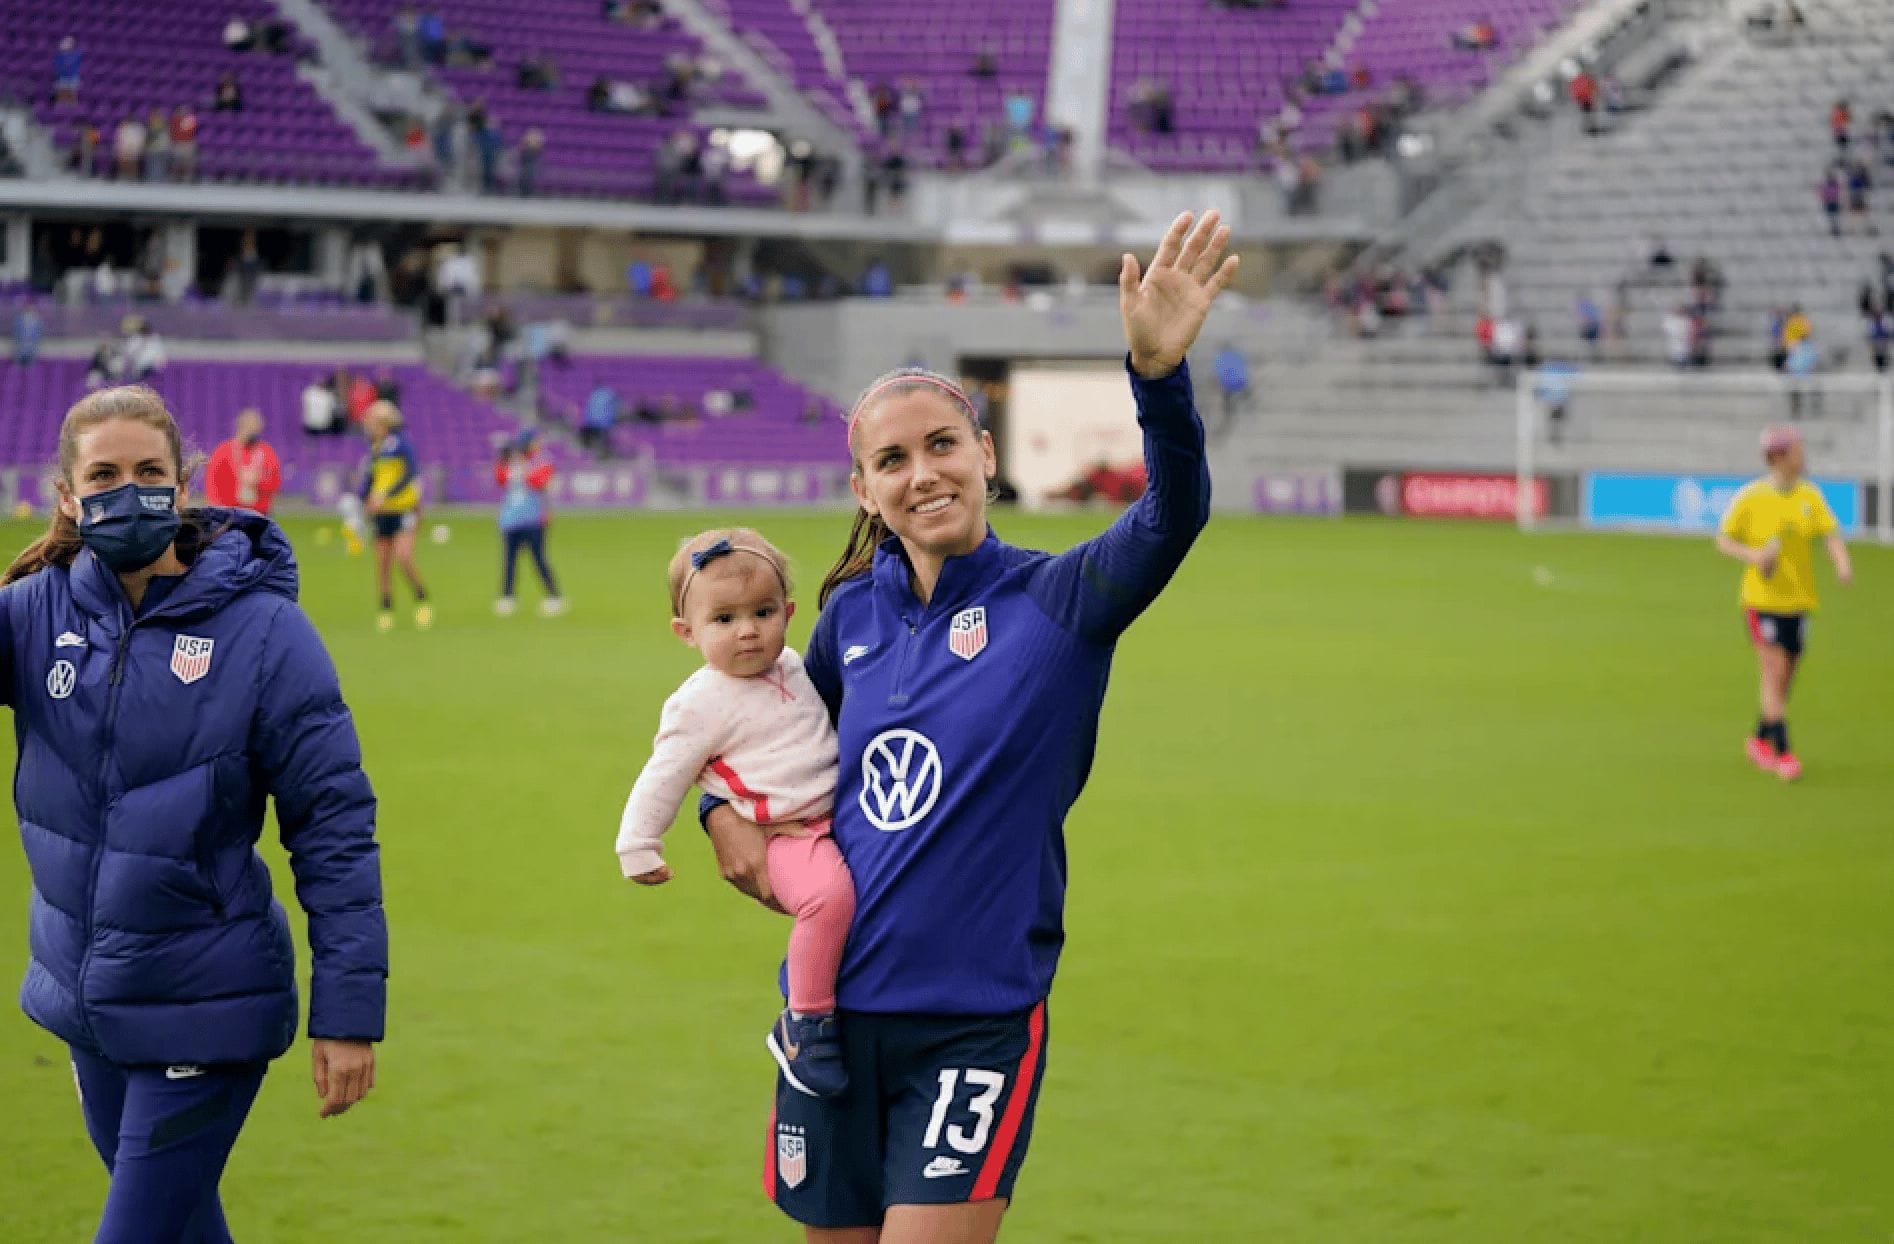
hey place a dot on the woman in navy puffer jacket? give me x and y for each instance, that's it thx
(164, 685)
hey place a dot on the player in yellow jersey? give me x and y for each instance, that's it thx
(1769, 526)
(391, 494)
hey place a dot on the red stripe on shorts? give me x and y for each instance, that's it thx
(769, 1157)
(1755, 628)
(737, 788)
(1002, 1150)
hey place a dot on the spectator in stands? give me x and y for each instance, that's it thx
(128, 145)
(1509, 340)
(322, 415)
(1553, 388)
(183, 128)
(487, 146)
(1584, 92)
(679, 163)
(1830, 193)
(157, 147)
(1880, 327)
(1677, 334)
(909, 105)
(358, 395)
(28, 330)
(1019, 113)
(1840, 121)
(877, 281)
(601, 416)
(142, 350)
(85, 153)
(1803, 361)
(1233, 379)
(407, 37)
(105, 282)
(882, 102)
(68, 61)
(431, 29)
(1476, 36)
(272, 35)
(893, 176)
(1591, 324)
(244, 471)
(532, 151)
(1706, 285)
(229, 96)
(104, 367)
(813, 412)
(536, 72)
(249, 267)
(387, 385)
(985, 64)
(1858, 186)
(238, 37)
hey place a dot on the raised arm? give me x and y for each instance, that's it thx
(1100, 587)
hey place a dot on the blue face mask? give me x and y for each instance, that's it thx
(129, 527)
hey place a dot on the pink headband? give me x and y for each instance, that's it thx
(951, 390)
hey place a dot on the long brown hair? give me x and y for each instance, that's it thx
(868, 531)
(140, 404)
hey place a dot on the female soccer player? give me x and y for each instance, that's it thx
(967, 677)
(391, 493)
(164, 684)
(1769, 525)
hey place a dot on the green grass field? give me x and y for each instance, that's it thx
(1412, 899)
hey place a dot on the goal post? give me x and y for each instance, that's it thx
(1661, 450)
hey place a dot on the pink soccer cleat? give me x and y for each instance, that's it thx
(1788, 768)
(1761, 754)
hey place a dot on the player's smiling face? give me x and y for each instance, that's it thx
(923, 468)
(735, 614)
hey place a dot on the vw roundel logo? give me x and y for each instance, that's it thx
(900, 779)
(61, 679)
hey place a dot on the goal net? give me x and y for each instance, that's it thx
(1665, 451)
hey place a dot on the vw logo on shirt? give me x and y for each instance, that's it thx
(901, 778)
(61, 679)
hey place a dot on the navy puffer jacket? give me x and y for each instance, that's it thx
(147, 749)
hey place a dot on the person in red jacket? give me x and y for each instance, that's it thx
(244, 470)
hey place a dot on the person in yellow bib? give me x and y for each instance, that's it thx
(1769, 527)
(391, 495)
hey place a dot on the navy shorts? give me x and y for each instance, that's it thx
(938, 1111)
(1781, 630)
(388, 526)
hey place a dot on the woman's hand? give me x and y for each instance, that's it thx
(1164, 309)
(742, 850)
(344, 1072)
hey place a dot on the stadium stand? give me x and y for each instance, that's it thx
(588, 152)
(137, 57)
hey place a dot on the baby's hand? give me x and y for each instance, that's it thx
(657, 876)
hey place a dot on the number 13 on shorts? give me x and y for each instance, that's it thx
(986, 1088)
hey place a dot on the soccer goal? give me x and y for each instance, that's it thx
(1665, 451)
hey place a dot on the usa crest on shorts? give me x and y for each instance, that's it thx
(792, 1155)
(966, 636)
(190, 658)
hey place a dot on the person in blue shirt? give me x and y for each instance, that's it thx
(524, 475)
(965, 676)
(1233, 378)
(68, 62)
(390, 493)
(28, 331)
(164, 687)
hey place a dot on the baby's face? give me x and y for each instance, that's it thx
(736, 616)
